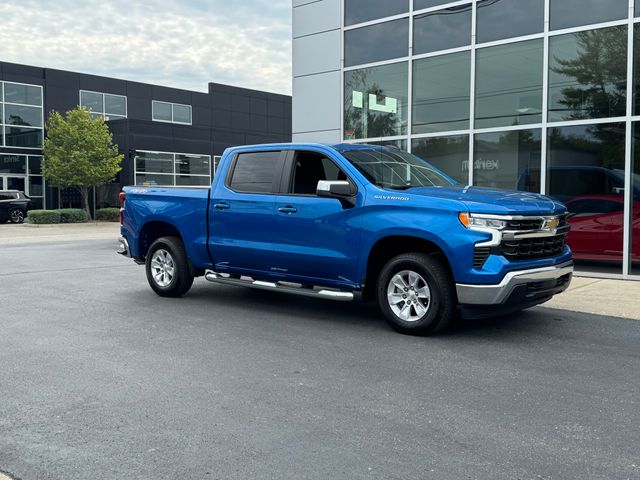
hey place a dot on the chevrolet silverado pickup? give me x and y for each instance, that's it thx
(352, 221)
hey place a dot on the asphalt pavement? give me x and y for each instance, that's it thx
(102, 379)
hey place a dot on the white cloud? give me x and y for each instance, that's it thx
(183, 44)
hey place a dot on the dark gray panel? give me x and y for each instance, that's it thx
(240, 121)
(258, 123)
(103, 84)
(258, 106)
(240, 103)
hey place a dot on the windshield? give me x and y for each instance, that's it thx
(395, 169)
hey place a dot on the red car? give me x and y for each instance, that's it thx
(597, 227)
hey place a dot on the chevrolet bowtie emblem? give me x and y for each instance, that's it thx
(552, 223)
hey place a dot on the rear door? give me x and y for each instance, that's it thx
(317, 240)
(241, 213)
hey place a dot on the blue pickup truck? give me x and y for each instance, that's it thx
(352, 221)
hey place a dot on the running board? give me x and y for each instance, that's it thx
(280, 287)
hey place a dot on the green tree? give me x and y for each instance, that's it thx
(79, 152)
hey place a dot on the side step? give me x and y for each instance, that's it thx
(280, 287)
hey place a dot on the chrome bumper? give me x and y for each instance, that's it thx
(123, 247)
(500, 293)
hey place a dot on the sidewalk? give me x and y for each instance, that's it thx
(27, 233)
(612, 298)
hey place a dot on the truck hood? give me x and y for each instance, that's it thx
(491, 201)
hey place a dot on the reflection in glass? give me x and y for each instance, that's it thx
(441, 93)
(92, 101)
(181, 113)
(35, 165)
(573, 13)
(420, 4)
(636, 67)
(23, 115)
(162, 111)
(23, 137)
(400, 144)
(498, 19)
(509, 160)
(375, 101)
(358, 11)
(449, 154)
(152, 179)
(190, 180)
(13, 164)
(443, 29)
(586, 173)
(255, 172)
(635, 205)
(193, 165)
(509, 84)
(588, 74)
(154, 162)
(24, 94)
(35, 186)
(115, 105)
(378, 42)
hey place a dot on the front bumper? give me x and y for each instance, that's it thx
(519, 287)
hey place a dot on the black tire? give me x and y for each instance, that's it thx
(16, 215)
(180, 282)
(439, 300)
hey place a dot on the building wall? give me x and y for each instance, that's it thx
(537, 95)
(222, 117)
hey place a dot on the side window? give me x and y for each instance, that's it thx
(255, 172)
(309, 169)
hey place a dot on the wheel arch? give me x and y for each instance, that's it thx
(153, 230)
(388, 247)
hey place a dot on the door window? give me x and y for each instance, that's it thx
(256, 172)
(309, 169)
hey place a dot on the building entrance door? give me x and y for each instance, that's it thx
(9, 182)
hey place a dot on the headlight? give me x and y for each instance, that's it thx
(472, 221)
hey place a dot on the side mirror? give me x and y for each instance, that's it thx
(339, 189)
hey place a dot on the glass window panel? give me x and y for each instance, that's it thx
(115, 105)
(376, 101)
(255, 172)
(358, 11)
(420, 4)
(635, 206)
(449, 154)
(36, 204)
(637, 8)
(498, 19)
(509, 84)
(23, 115)
(35, 165)
(441, 93)
(508, 160)
(154, 162)
(586, 163)
(401, 144)
(181, 113)
(24, 94)
(13, 164)
(35, 186)
(572, 13)
(162, 111)
(193, 165)
(636, 69)
(383, 41)
(23, 137)
(108, 118)
(151, 179)
(588, 74)
(189, 180)
(92, 101)
(448, 28)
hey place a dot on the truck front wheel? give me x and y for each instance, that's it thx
(167, 266)
(416, 294)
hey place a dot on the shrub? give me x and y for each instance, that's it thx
(108, 214)
(42, 217)
(73, 215)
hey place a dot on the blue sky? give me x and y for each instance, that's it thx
(179, 43)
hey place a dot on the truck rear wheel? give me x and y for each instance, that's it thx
(168, 271)
(416, 294)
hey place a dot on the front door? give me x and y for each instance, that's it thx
(317, 240)
(241, 213)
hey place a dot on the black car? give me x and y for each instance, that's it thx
(13, 206)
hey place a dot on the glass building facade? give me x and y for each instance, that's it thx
(534, 95)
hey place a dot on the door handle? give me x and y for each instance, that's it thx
(221, 206)
(288, 210)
